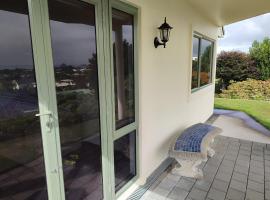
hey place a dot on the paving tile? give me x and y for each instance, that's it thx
(267, 185)
(216, 194)
(173, 177)
(223, 177)
(197, 194)
(178, 194)
(257, 158)
(231, 158)
(243, 157)
(220, 185)
(255, 186)
(241, 169)
(185, 184)
(239, 177)
(235, 194)
(225, 169)
(257, 170)
(256, 177)
(244, 152)
(244, 163)
(256, 164)
(267, 177)
(267, 194)
(202, 185)
(237, 185)
(227, 163)
(167, 183)
(267, 163)
(253, 195)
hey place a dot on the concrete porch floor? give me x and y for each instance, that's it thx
(240, 170)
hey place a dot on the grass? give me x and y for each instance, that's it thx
(259, 110)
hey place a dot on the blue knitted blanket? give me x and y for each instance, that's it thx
(190, 140)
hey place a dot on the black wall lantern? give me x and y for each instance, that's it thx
(164, 30)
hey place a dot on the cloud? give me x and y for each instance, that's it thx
(240, 35)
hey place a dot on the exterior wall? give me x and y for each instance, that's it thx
(167, 105)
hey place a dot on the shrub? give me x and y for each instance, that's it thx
(236, 66)
(249, 89)
(260, 53)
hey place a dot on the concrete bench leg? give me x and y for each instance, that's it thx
(188, 168)
(210, 152)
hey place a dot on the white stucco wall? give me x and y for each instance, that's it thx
(166, 103)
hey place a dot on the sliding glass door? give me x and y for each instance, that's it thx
(68, 99)
(73, 34)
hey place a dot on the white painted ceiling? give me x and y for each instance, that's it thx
(223, 12)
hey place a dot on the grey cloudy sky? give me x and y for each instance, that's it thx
(240, 35)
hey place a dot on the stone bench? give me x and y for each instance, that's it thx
(191, 148)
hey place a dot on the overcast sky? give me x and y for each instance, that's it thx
(239, 36)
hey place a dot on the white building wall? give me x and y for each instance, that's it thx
(167, 105)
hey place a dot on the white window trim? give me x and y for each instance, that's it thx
(208, 38)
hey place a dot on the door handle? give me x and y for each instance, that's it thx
(49, 121)
(42, 114)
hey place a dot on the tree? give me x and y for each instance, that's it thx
(235, 66)
(260, 53)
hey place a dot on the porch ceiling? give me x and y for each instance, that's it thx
(223, 12)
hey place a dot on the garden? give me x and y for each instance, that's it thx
(243, 81)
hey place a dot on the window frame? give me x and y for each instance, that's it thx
(213, 42)
(115, 133)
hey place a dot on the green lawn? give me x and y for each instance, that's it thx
(259, 110)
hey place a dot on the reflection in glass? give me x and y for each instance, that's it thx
(195, 63)
(206, 62)
(124, 159)
(75, 65)
(22, 173)
(123, 58)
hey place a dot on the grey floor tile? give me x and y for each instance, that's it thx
(237, 185)
(239, 177)
(178, 194)
(255, 186)
(197, 194)
(241, 169)
(185, 184)
(235, 194)
(202, 185)
(223, 177)
(267, 194)
(216, 194)
(220, 185)
(253, 195)
(256, 177)
(161, 192)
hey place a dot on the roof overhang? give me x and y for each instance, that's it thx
(223, 12)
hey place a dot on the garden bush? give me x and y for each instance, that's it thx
(236, 66)
(249, 89)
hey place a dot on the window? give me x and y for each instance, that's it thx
(202, 62)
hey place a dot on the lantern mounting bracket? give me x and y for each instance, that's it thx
(158, 43)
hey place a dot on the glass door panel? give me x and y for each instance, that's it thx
(124, 95)
(123, 56)
(73, 33)
(124, 159)
(22, 173)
